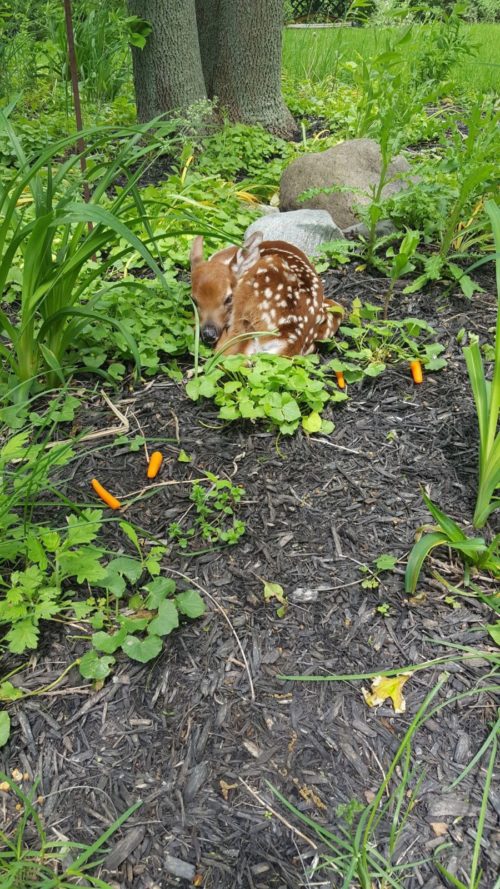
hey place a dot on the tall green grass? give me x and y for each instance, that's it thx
(318, 53)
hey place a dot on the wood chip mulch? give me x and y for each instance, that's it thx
(183, 733)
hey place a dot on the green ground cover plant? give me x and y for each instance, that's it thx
(62, 570)
(290, 393)
(214, 521)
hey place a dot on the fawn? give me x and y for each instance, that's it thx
(264, 287)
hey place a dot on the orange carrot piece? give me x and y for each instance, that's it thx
(416, 371)
(340, 379)
(108, 498)
(155, 462)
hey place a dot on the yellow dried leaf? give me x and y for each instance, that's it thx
(17, 775)
(440, 828)
(225, 788)
(310, 796)
(4, 786)
(384, 687)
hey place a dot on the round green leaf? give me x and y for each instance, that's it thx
(190, 604)
(94, 667)
(107, 642)
(142, 650)
(166, 620)
(312, 423)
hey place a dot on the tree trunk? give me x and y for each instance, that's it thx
(224, 49)
(167, 72)
(247, 73)
(208, 19)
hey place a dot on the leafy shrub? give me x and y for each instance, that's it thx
(159, 320)
(281, 391)
(290, 392)
(239, 149)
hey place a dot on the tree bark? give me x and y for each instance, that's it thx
(224, 49)
(168, 74)
(208, 21)
(247, 72)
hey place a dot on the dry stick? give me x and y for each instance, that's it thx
(124, 427)
(76, 97)
(277, 814)
(226, 618)
(332, 444)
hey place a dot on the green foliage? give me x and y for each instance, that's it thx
(214, 521)
(447, 44)
(384, 562)
(139, 630)
(41, 590)
(369, 343)
(59, 560)
(34, 49)
(475, 551)
(248, 153)
(487, 400)
(29, 860)
(288, 393)
(158, 319)
(56, 235)
(281, 391)
(66, 573)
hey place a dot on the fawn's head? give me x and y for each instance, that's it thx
(213, 282)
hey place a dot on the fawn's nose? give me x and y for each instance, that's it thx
(209, 334)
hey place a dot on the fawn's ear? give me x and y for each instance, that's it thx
(247, 255)
(196, 252)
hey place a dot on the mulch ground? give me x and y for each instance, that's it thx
(176, 732)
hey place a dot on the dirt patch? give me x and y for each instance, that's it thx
(172, 731)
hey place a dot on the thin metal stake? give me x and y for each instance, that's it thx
(76, 96)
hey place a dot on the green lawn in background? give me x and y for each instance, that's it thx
(317, 53)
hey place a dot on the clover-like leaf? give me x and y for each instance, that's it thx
(312, 423)
(158, 590)
(166, 620)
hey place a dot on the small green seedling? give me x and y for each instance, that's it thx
(275, 591)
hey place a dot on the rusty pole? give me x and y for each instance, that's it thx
(76, 95)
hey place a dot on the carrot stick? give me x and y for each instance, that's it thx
(416, 371)
(155, 462)
(108, 498)
(340, 379)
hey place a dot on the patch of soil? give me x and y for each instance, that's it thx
(184, 733)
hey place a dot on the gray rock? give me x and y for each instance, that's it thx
(385, 227)
(355, 164)
(306, 229)
(267, 210)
